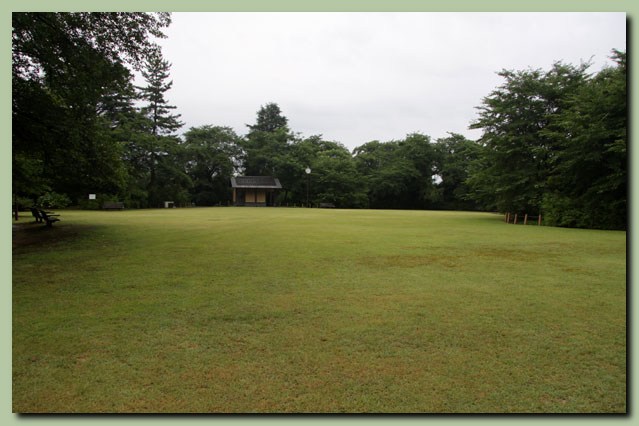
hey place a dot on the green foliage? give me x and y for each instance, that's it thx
(563, 211)
(374, 161)
(399, 174)
(157, 109)
(555, 142)
(265, 153)
(211, 155)
(518, 151)
(158, 153)
(65, 67)
(455, 157)
(333, 177)
(168, 179)
(588, 186)
(270, 149)
(269, 119)
(28, 175)
(53, 200)
(52, 43)
(22, 203)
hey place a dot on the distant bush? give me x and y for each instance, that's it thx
(53, 200)
(23, 203)
(563, 211)
(206, 198)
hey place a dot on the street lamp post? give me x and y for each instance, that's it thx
(308, 182)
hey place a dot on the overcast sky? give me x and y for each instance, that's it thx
(357, 77)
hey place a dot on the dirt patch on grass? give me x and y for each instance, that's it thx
(518, 255)
(448, 260)
(410, 261)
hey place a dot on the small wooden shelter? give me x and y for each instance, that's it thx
(256, 191)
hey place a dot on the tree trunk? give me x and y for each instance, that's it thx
(15, 207)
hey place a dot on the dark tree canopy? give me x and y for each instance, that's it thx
(455, 158)
(515, 118)
(67, 70)
(269, 119)
(554, 142)
(589, 181)
(45, 43)
(267, 144)
(399, 174)
(212, 157)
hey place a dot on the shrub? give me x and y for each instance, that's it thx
(53, 200)
(23, 203)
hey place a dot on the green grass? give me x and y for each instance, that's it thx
(299, 310)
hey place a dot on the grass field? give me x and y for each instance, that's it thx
(298, 310)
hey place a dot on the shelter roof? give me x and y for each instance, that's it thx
(264, 182)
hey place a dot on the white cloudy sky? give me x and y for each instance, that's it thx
(357, 77)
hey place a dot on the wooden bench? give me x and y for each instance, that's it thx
(113, 205)
(36, 214)
(48, 217)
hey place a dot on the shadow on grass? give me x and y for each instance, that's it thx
(27, 236)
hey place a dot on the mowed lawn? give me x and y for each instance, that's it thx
(261, 310)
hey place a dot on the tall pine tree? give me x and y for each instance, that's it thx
(267, 143)
(166, 179)
(269, 119)
(157, 109)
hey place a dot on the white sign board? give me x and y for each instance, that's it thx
(91, 196)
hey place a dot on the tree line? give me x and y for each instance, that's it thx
(553, 142)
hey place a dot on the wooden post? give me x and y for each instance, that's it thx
(525, 218)
(515, 222)
(539, 220)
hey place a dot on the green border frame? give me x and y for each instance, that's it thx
(631, 7)
(326, 5)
